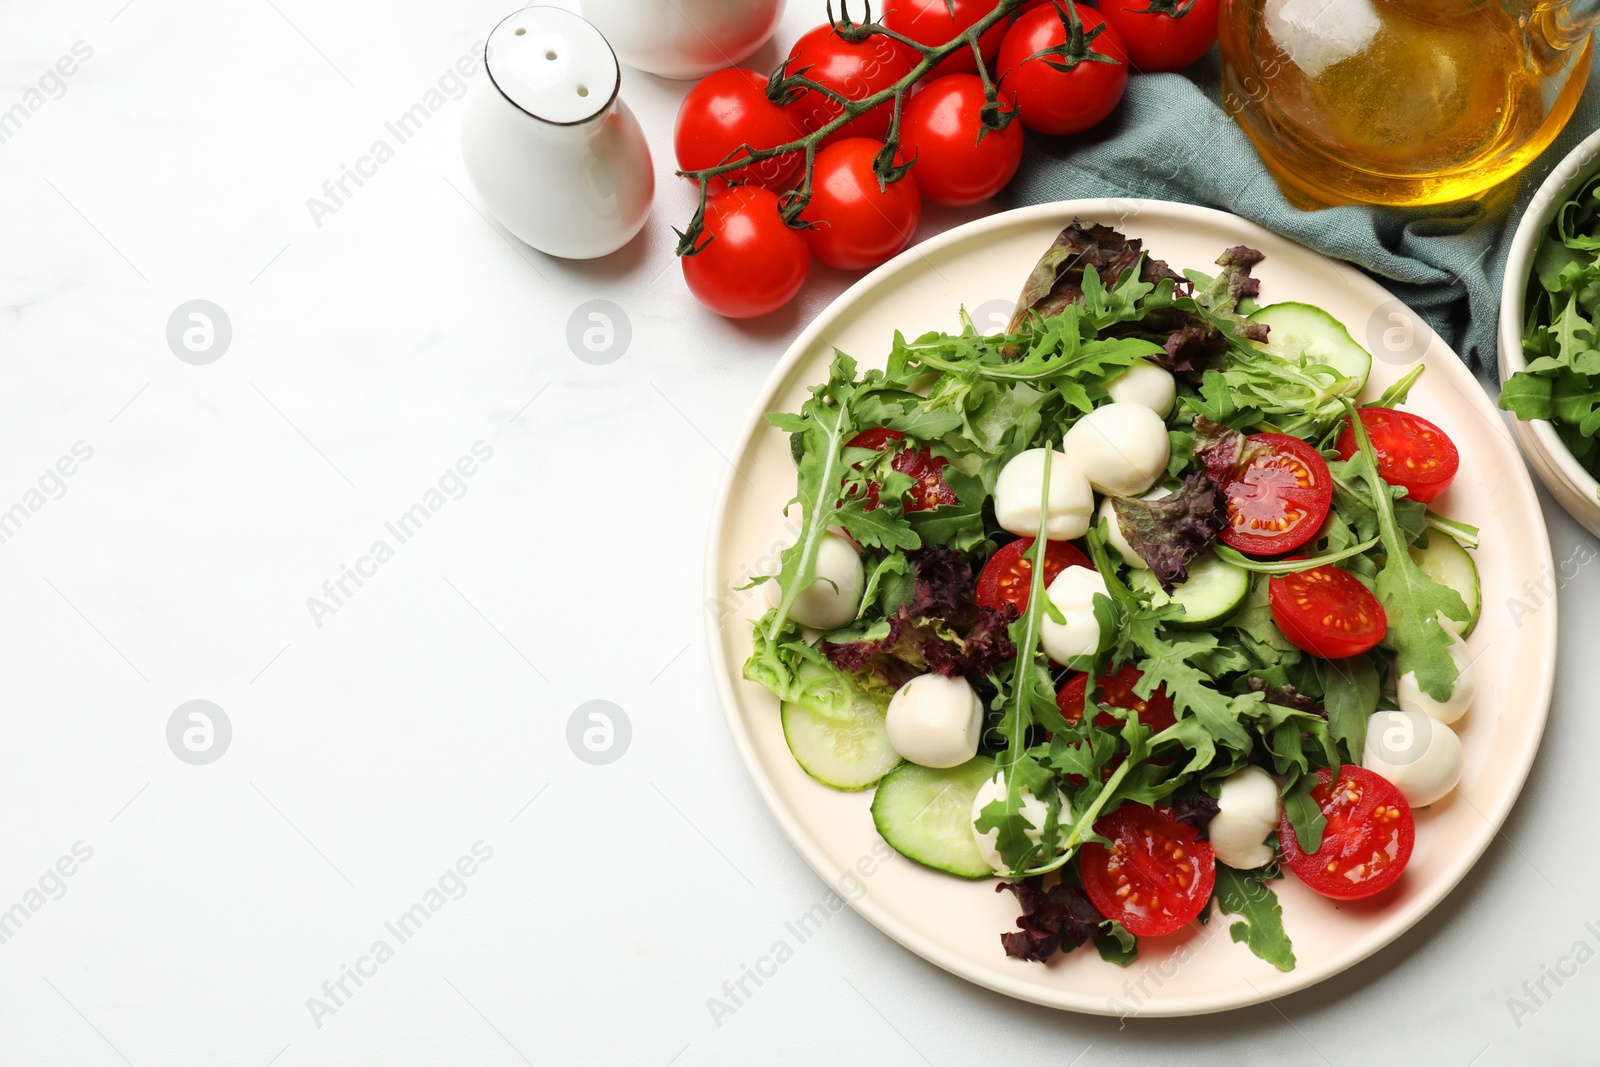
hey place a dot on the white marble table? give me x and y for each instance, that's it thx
(406, 743)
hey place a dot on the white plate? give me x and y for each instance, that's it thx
(957, 924)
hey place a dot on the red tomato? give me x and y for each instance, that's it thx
(1411, 451)
(939, 129)
(728, 109)
(1056, 101)
(749, 262)
(1278, 501)
(854, 71)
(1366, 843)
(1326, 611)
(858, 225)
(1006, 578)
(920, 463)
(937, 22)
(1164, 34)
(1116, 690)
(1155, 878)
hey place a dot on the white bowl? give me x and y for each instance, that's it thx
(1575, 488)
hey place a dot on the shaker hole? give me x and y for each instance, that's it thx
(521, 30)
(550, 54)
(583, 90)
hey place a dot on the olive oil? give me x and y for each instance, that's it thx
(1400, 102)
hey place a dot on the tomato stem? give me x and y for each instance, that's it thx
(784, 87)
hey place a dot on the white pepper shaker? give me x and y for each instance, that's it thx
(556, 156)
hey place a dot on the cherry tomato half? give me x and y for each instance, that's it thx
(728, 109)
(857, 225)
(1007, 577)
(1411, 451)
(854, 71)
(1155, 878)
(1366, 843)
(1326, 611)
(937, 22)
(1164, 34)
(920, 463)
(1277, 502)
(749, 263)
(958, 162)
(1116, 690)
(1057, 101)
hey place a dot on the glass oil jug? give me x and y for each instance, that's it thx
(1402, 102)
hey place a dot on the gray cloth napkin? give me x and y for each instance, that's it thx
(1171, 140)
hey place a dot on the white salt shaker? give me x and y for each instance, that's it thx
(553, 152)
(684, 38)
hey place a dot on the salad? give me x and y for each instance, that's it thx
(1559, 339)
(1130, 606)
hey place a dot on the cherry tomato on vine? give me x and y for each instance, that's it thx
(1007, 577)
(1411, 451)
(1164, 34)
(940, 127)
(1155, 878)
(728, 109)
(1052, 100)
(1326, 611)
(921, 464)
(937, 22)
(854, 71)
(1366, 842)
(749, 263)
(1277, 502)
(856, 224)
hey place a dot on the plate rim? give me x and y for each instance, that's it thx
(1306, 975)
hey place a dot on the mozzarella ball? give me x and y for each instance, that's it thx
(834, 596)
(1073, 594)
(1415, 751)
(1145, 383)
(1019, 487)
(1410, 696)
(1033, 810)
(935, 721)
(1247, 811)
(1108, 515)
(1121, 448)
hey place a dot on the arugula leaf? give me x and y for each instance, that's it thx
(1411, 599)
(823, 426)
(1561, 383)
(891, 581)
(1305, 815)
(1246, 894)
(1350, 695)
(1115, 944)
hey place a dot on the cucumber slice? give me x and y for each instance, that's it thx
(1215, 590)
(1446, 562)
(926, 815)
(1303, 330)
(847, 755)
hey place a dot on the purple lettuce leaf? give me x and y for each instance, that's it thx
(1169, 532)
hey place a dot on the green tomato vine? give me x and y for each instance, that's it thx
(785, 88)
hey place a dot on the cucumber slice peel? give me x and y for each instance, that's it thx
(926, 815)
(1302, 331)
(1214, 591)
(845, 755)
